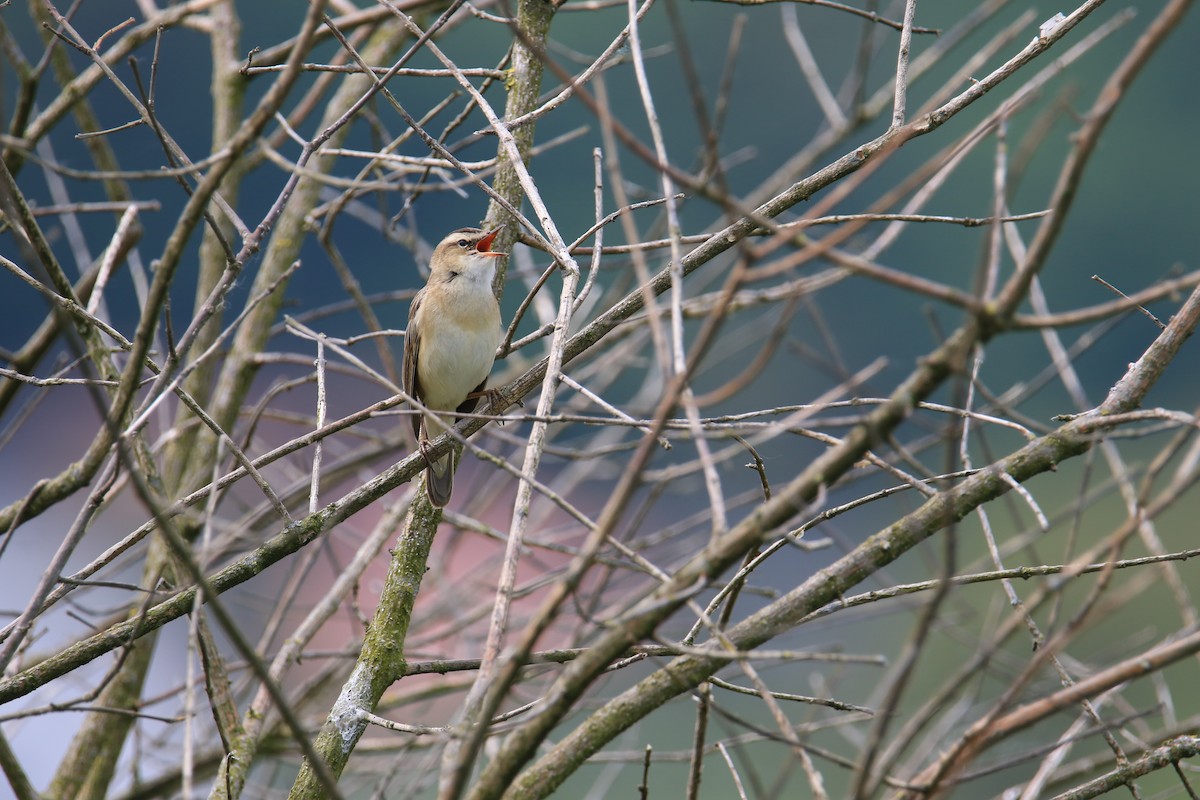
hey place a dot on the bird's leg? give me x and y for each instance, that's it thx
(423, 446)
(496, 400)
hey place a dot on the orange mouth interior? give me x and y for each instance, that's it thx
(485, 244)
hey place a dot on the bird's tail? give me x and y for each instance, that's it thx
(439, 480)
(439, 475)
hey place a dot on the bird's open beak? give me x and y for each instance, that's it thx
(485, 244)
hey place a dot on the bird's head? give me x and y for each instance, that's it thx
(465, 250)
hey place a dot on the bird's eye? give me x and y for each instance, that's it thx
(463, 243)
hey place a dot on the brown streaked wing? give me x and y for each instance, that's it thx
(412, 346)
(468, 405)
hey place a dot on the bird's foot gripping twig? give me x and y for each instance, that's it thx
(424, 447)
(497, 400)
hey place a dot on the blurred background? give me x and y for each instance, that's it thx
(1133, 224)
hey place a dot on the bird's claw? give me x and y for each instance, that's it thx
(496, 400)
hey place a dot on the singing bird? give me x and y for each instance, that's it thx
(451, 340)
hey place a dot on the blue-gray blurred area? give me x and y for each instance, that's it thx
(1131, 222)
